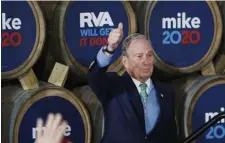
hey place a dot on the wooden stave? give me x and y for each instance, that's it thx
(91, 101)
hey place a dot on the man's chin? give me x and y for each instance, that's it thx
(146, 76)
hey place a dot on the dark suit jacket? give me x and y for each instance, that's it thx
(123, 109)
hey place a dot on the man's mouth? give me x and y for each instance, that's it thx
(145, 70)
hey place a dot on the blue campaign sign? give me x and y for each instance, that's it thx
(88, 24)
(75, 131)
(181, 32)
(18, 30)
(208, 105)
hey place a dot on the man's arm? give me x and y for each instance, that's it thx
(174, 122)
(98, 80)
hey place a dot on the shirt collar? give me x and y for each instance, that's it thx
(148, 82)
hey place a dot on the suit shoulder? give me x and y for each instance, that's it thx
(160, 84)
(113, 76)
(164, 87)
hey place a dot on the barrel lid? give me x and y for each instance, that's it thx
(185, 35)
(23, 34)
(86, 26)
(204, 104)
(51, 100)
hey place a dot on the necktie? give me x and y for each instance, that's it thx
(144, 95)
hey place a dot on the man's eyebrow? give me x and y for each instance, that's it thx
(137, 53)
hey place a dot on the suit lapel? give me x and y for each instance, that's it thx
(159, 98)
(158, 93)
(134, 99)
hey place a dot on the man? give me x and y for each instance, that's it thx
(136, 108)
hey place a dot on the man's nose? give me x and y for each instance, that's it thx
(146, 61)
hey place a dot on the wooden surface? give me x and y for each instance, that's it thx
(209, 69)
(59, 74)
(29, 80)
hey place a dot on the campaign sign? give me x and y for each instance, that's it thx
(88, 24)
(181, 32)
(208, 105)
(18, 30)
(74, 131)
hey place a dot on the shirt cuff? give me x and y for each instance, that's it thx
(102, 59)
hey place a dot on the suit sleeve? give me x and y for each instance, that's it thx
(173, 135)
(99, 81)
(174, 122)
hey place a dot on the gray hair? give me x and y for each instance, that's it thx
(128, 39)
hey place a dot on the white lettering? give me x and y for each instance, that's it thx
(169, 21)
(195, 22)
(91, 20)
(182, 21)
(35, 130)
(97, 20)
(42, 129)
(106, 19)
(15, 23)
(85, 18)
(210, 115)
(67, 130)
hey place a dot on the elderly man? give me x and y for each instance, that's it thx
(136, 108)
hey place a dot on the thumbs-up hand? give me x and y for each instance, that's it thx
(115, 37)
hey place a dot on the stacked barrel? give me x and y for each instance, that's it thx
(23, 37)
(80, 29)
(186, 38)
(21, 108)
(95, 110)
(199, 99)
(188, 43)
(67, 32)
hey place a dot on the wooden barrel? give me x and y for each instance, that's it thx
(95, 110)
(200, 99)
(45, 64)
(137, 7)
(21, 108)
(23, 36)
(220, 57)
(185, 35)
(81, 28)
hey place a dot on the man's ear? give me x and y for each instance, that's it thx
(125, 61)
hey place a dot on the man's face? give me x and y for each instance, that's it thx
(139, 61)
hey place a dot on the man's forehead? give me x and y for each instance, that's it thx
(140, 43)
(141, 40)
